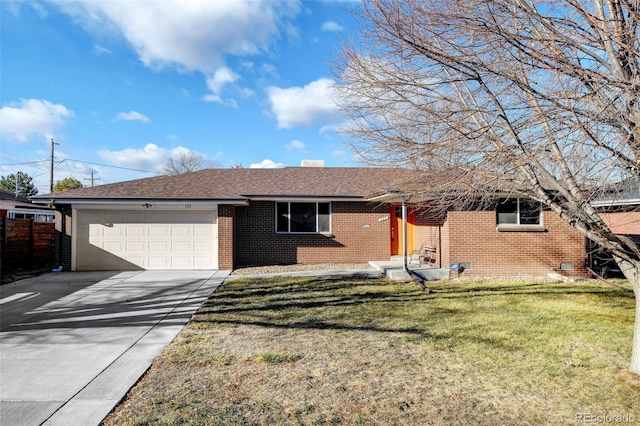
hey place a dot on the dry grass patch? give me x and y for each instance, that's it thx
(357, 350)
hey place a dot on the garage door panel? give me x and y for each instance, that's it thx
(120, 240)
(181, 230)
(181, 262)
(114, 246)
(133, 231)
(202, 231)
(136, 246)
(201, 262)
(181, 247)
(156, 231)
(115, 231)
(158, 247)
(202, 246)
(90, 250)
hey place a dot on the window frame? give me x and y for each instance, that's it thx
(518, 213)
(318, 218)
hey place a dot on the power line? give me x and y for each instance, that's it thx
(114, 167)
(24, 163)
(78, 161)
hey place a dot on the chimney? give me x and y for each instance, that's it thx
(312, 163)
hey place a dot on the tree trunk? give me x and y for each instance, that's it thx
(635, 349)
(631, 270)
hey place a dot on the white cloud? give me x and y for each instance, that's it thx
(332, 26)
(303, 106)
(217, 81)
(190, 36)
(31, 118)
(99, 50)
(269, 69)
(149, 158)
(266, 164)
(296, 145)
(132, 116)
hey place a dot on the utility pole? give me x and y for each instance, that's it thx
(51, 169)
(92, 178)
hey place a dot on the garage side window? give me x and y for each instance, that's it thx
(518, 211)
(304, 218)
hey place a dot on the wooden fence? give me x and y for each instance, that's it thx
(25, 246)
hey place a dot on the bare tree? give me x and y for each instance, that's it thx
(183, 162)
(538, 98)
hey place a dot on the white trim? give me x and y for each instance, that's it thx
(628, 202)
(309, 199)
(156, 202)
(148, 205)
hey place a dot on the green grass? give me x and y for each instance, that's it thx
(369, 351)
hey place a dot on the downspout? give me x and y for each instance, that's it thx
(439, 252)
(404, 235)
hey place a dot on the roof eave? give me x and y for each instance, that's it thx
(135, 201)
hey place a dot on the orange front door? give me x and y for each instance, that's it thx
(397, 240)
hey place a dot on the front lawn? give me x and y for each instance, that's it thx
(364, 351)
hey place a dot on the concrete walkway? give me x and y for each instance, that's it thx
(73, 343)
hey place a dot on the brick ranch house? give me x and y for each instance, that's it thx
(232, 218)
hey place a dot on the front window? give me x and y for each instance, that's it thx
(308, 217)
(519, 211)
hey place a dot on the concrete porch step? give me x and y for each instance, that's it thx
(394, 270)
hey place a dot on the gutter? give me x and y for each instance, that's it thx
(627, 202)
(138, 201)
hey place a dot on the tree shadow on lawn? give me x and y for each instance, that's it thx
(307, 304)
(480, 289)
(294, 285)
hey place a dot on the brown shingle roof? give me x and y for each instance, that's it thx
(240, 184)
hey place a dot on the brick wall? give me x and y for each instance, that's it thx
(474, 237)
(625, 223)
(226, 215)
(357, 235)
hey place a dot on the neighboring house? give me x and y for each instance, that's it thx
(231, 218)
(620, 209)
(19, 207)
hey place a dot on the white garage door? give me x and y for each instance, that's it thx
(145, 239)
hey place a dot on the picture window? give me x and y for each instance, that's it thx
(303, 217)
(519, 212)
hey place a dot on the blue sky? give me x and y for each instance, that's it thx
(121, 86)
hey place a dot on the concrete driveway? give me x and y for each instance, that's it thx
(73, 343)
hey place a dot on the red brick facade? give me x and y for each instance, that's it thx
(358, 234)
(226, 217)
(625, 223)
(474, 238)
